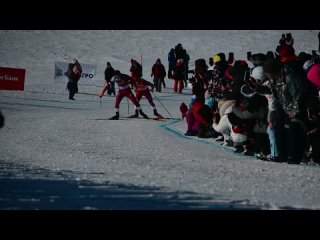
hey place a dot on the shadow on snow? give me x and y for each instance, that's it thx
(58, 191)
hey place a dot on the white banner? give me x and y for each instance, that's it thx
(87, 77)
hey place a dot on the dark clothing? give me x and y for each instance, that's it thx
(159, 73)
(313, 129)
(172, 62)
(108, 74)
(74, 73)
(73, 89)
(1, 120)
(178, 76)
(136, 70)
(290, 91)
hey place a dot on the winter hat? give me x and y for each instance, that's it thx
(193, 100)
(303, 57)
(217, 58)
(258, 74)
(286, 51)
(314, 75)
(271, 66)
(241, 64)
(222, 56)
(269, 55)
(183, 110)
(116, 72)
(239, 68)
(258, 59)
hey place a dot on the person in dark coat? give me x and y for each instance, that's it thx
(1, 120)
(108, 74)
(74, 73)
(172, 62)
(158, 74)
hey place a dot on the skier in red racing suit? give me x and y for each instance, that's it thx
(123, 82)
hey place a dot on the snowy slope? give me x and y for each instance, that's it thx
(44, 129)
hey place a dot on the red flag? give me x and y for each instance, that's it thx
(12, 78)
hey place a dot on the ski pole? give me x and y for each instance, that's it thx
(100, 102)
(141, 58)
(161, 104)
(128, 106)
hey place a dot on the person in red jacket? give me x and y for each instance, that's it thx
(158, 73)
(192, 123)
(202, 112)
(142, 89)
(123, 82)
